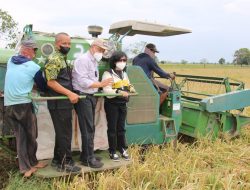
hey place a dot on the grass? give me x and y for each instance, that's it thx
(220, 164)
(204, 164)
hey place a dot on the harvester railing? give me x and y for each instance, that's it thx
(227, 82)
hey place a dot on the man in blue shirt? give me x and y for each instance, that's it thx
(19, 80)
(147, 63)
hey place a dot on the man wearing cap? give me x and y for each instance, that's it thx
(58, 75)
(21, 74)
(147, 63)
(85, 77)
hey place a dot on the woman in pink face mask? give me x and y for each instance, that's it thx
(116, 106)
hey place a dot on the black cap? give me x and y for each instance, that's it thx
(152, 47)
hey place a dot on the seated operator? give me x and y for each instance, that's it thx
(147, 62)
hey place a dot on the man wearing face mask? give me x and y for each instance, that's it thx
(59, 81)
(147, 63)
(85, 76)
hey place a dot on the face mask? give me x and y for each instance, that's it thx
(120, 65)
(98, 56)
(64, 50)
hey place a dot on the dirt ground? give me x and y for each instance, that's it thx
(7, 165)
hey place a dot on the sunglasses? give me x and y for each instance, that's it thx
(123, 60)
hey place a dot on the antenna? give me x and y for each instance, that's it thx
(94, 30)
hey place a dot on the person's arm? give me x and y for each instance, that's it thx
(103, 83)
(82, 76)
(53, 84)
(108, 88)
(131, 88)
(158, 70)
(40, 81)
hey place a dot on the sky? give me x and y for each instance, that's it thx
(219, 27)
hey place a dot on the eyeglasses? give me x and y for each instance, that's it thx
(123, 60)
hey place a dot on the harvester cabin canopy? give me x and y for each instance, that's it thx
(132, 27)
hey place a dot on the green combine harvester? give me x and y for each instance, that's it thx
(191, 113)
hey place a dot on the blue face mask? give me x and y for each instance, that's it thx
(64, 50)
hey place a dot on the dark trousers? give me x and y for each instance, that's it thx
(85, 109)
(25, 125)
(62, 121)
(116, 116)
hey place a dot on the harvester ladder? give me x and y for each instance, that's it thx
(165, 121)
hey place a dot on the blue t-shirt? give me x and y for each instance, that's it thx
(19, 81)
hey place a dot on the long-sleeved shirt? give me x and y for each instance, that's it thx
(85, 73)
(112, 89)
(148, 65)
(109, 89)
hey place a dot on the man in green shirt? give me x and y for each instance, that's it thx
(58, 76)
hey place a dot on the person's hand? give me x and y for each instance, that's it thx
(124, 93)
(131, 88)
(172, 76)
(73, 97)
(107, 82)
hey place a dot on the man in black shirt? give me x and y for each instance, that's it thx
(147, 63)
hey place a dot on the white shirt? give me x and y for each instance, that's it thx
(85, 73)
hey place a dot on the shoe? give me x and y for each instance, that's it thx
(70, 162)
(114, 157)
(54, 163)
(125, 155)
(98, 158)
(93, 163)
(68, 168)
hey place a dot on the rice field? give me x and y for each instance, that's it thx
(233, 72)
(203, 164)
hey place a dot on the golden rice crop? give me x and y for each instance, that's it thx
(206, 164)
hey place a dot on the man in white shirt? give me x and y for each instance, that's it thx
(85, 80)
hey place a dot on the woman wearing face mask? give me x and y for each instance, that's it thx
(115, 106)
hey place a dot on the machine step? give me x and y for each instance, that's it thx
(168, 124)
(165, 118)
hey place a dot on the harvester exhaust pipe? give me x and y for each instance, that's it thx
(94, 30)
